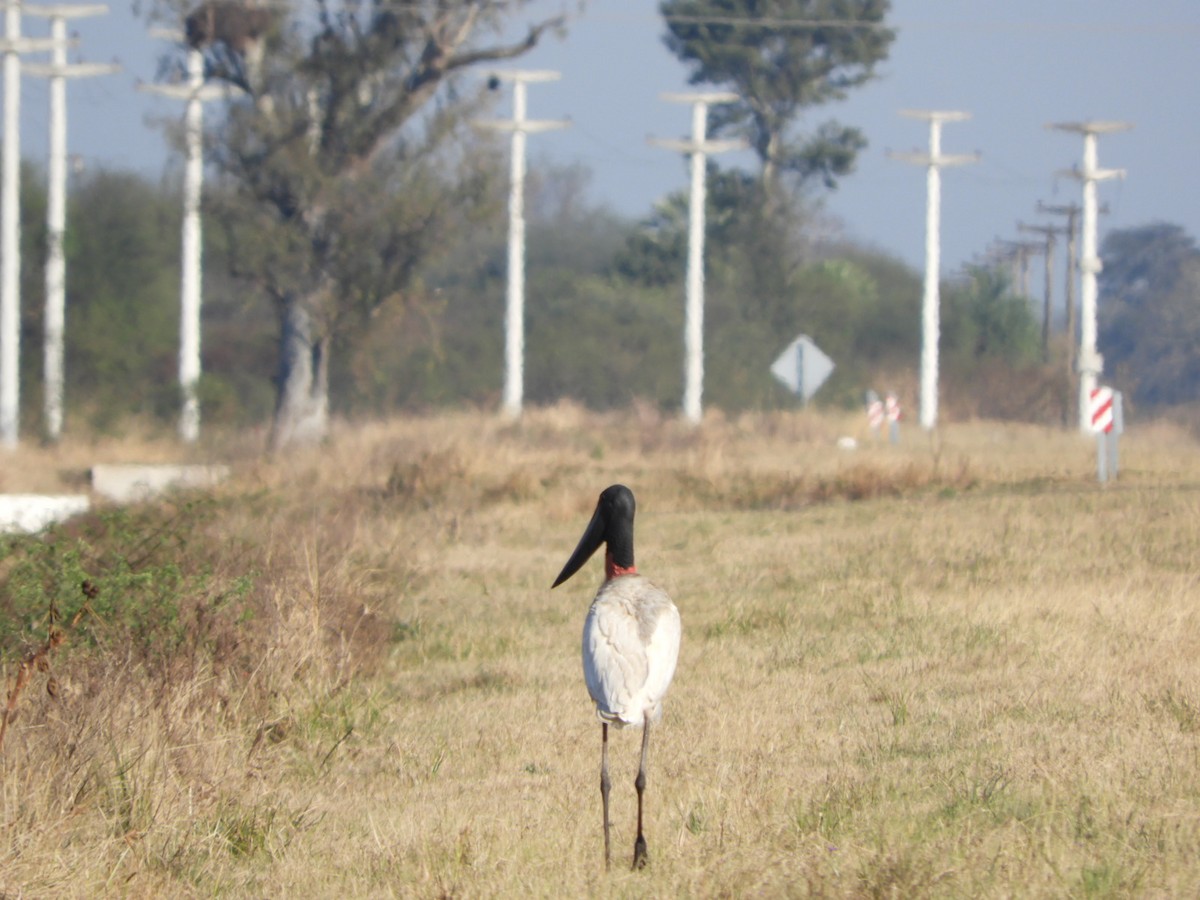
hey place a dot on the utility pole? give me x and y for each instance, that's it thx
(1071, 211)
(12, 46)
(1071, 230)
(930, 313)
(1018, 254)
(195, 92)
(1091, 364)
(56, 199)
(698, 148)
(514, 316)
(1048, 232)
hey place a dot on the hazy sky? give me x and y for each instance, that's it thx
(1014, 66)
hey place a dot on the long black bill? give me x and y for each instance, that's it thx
(592, 538)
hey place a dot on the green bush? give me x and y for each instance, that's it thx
(128, 580)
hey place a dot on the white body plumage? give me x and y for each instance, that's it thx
(630, 648)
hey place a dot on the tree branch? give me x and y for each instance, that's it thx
(437, 61)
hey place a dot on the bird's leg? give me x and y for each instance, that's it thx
(639, 847)
(605, 784)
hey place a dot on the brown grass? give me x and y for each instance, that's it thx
(951, 668)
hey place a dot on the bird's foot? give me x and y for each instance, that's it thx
(640, 857)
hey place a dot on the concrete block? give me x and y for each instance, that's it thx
(131, 483)
(32, 512)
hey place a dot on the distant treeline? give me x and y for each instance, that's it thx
(604, 315)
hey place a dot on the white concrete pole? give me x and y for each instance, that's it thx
(514, 314)
(698, 148)
(195, 92)
(189, 286)
(10, 233)
(56, 201)
(1091, 363)
(931, 301)
(931, 298)
(12, 46)
(56, 223)
(693, 325)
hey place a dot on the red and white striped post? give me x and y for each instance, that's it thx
(875, 413)
(891, 409)
(1104, 405)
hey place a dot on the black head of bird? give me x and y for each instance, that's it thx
(611, 525)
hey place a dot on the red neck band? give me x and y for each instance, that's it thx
(612, 570)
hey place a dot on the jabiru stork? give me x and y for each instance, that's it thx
(630, 642)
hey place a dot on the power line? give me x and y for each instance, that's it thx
(988, 26)
(775, 22)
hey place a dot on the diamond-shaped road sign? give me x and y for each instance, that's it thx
(802, 367)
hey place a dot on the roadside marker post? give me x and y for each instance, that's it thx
(891, 409)
(1118, 428)
(875, 413)
(1107, 422)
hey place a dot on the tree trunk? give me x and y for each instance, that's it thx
(302, 383)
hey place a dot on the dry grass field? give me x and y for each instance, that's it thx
(962, 670)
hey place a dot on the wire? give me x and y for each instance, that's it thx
(927, 25)
(773, 22)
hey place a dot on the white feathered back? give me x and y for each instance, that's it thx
(630, 648)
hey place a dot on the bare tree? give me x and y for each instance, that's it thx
(233, 33)
(341, 159)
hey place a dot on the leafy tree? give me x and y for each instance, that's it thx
(32, 291)
(122, 331)
(449, 349)
(782, 57)
(983, 319)
(656, 253)
(122, 309)
(344, 163)
(1149, 328)
(858, 308)
(772, 275)
(596, 341)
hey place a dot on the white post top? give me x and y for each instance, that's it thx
(936, 115)
(26, 45)
(1091, 126)
(525, 75)
(67, 10)
(72, 70)
(166, 34)
(700, 97)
